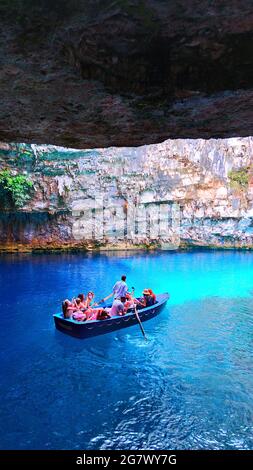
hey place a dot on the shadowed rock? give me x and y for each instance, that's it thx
(125, 72)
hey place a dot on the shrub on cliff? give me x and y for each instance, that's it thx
(14, 189)
(239, 179)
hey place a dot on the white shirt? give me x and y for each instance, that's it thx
(117, 307)
(120, 289)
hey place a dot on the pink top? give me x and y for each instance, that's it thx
(79, 315)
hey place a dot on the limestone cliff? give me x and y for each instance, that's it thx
(178, 193)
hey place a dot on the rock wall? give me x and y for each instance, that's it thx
(175, 194)
(98, 73)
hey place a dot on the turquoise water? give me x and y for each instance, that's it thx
(190, 386)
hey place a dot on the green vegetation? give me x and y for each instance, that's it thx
(14, 189)
(239, 179)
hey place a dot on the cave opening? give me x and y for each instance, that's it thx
(124, 73)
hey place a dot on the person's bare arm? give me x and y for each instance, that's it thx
(143, 303)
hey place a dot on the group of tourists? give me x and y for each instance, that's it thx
(84, 308)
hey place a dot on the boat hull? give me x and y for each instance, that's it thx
(94, 328)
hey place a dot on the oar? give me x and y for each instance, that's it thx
(104, 299)
(139, 320)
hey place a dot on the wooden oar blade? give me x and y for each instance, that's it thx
(140, 323)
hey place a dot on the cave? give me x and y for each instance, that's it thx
(88, 74)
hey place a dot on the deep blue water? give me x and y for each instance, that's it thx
(189, 387)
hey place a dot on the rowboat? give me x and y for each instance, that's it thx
(100, 327)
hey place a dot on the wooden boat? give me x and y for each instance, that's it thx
(100, 327)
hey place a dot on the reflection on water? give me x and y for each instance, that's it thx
(189, 386)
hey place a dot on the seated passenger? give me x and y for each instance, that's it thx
(102, 314)
(130, 302)
(68, 308)
(87, 305)
(152, 295)
(147, 300)
(78, 314)
(98, 314)
(118, 307)
(89, 298)
(82, 306)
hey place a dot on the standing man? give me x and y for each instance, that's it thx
(120, 288)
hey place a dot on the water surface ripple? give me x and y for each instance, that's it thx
(189, 387)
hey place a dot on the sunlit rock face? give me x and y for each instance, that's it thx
(179, 193)
(97, 73)
(109, 77)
